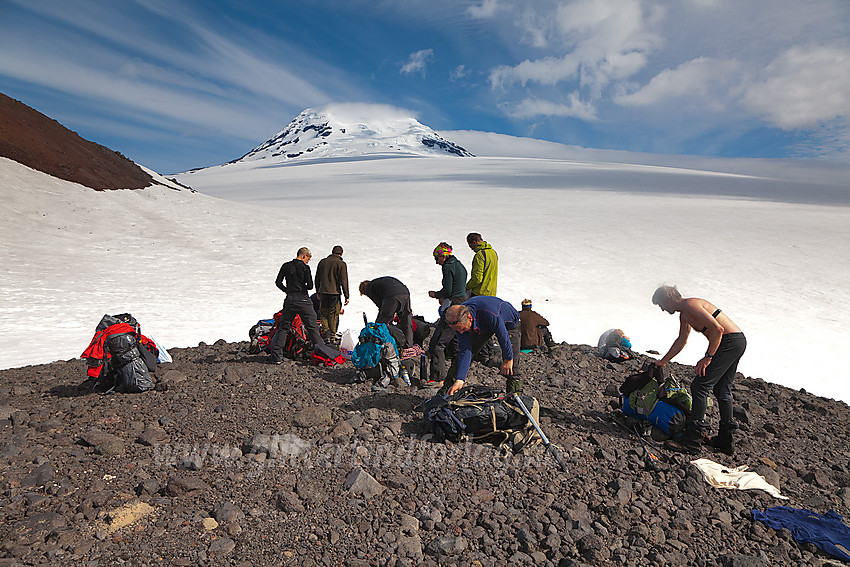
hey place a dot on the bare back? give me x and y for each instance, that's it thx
(702, 315)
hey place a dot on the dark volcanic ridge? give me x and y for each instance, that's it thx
(233, 461)
(31, 138)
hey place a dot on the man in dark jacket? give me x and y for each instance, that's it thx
(453, 292)
(476, 320)
(392, 298)
(299, 281)
(331, 282)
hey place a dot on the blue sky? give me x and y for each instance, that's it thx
(178, 84)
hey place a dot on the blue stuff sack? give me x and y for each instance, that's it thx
(664, 416)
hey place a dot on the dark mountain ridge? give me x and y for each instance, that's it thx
(31, 138)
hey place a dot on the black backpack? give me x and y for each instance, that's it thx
(127, 358)
(261, 334)
(478, 413)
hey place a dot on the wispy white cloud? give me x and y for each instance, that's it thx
(533, 108)
(671, 62)
(803, 87)
(600, 41)
(418, 62)
(195, 79)
(458, 73)
(704, 70)
(358, 112)
(701, 80)
(484, 9)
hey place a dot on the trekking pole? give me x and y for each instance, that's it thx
(365, 320)
(546, 443)
(650, 459)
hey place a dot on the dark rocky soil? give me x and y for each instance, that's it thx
(233, 461)
(39, 142)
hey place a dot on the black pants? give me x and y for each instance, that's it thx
(718, 378)
(440, 341)
(398, 305)
(295, 304)
(513, 383)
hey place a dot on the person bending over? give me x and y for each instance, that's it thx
(715, 371)
(476, 320)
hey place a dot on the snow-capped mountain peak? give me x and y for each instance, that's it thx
(351, 130)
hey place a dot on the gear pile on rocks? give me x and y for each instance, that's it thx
(232, 461)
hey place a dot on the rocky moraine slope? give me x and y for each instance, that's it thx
(233, 461)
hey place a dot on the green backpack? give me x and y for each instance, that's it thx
(659, 385)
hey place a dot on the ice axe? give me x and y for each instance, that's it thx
(546, 443)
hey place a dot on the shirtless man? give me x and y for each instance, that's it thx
(715, 371)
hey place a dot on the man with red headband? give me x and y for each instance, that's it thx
(453, 292)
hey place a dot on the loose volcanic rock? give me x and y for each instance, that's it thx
(446, 546)
(103, 443)
(152, 435)
(222, 547)
(39, 476)
(246, 463)
(312, 417)
(360, 483)
(185, 486)
(227, 512)
(288, 502)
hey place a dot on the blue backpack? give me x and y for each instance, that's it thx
(373, 337)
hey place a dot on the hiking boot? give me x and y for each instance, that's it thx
(382, 384)
(430, 383)
(724, 440)
(690, 442)
(358, 377)
(684, 446)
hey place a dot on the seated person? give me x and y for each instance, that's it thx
(615, 345)
(534, 328)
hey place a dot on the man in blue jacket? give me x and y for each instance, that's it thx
(476, 320)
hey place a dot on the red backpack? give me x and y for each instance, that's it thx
(297, 343)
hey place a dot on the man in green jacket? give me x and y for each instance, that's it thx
(485, 266)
